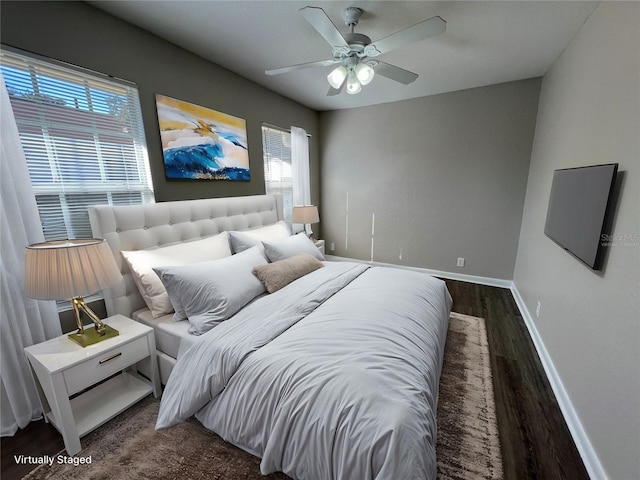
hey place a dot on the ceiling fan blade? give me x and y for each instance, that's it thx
(420, 31)
(395, 73)
(325, 27)
(301, 66)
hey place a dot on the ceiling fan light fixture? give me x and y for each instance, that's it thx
(353, 85)
(364, 73)
(355, 52)
(336, 76)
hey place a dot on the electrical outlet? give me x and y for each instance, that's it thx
(460, 262)
(332, 246)
(538, 310)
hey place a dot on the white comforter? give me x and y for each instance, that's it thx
(333, 377)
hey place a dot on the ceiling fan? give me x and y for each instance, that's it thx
(355, 52)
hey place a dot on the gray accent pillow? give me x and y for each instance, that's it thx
(290, 246)
(210, 292)
(141, 263)
(281, 273)
(241, 241)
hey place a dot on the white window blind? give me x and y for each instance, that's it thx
(83, 138)
(276, 147)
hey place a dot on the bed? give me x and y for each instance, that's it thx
(333, 375)
(151, 226)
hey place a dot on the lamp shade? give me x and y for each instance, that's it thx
(69, 268)
(306, 214)
(353, 84)
(364, 73)
(337, 76)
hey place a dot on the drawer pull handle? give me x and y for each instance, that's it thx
(116, 355)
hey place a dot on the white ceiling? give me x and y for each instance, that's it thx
(486, 42)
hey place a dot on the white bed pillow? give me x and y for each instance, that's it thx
(211, 292)
(293, 245)
(241, 241)
(142, 262)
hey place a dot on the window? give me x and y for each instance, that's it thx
(278, 178)
(83, 138)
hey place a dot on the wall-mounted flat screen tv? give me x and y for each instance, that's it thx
(579, 205)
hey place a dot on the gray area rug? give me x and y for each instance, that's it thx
(468, 447)
(468, 444)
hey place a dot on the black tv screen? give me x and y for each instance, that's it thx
(579, 203)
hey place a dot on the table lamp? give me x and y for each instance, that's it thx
(306, 214)
(58, 270)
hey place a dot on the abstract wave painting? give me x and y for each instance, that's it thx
(201, 144)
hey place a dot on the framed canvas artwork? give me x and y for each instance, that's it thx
(199, 143)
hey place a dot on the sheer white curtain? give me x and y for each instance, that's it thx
(300, 167)
(23, 321)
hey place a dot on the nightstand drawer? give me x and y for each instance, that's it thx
(100, 367)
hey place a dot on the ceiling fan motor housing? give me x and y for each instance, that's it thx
(357, 41)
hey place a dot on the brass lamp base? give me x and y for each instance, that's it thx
(90, 336)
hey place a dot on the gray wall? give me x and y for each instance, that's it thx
(444, 175)
(589, 113)
(80, 34)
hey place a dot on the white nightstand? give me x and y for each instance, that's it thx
(61, 369)
(320, 245)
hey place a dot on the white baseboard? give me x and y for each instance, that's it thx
(492, 282)
(583, 444)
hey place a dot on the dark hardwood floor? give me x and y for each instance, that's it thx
(38, 439)
(535, 441)
(534, 437)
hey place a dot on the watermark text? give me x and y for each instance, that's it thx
(51, 459)
(620, 240)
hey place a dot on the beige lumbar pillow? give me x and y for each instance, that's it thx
(279, 274)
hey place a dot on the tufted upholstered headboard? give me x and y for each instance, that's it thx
(138, 227)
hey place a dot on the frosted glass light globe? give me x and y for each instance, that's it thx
(364, 73)
(353, 85)
(337, 76)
